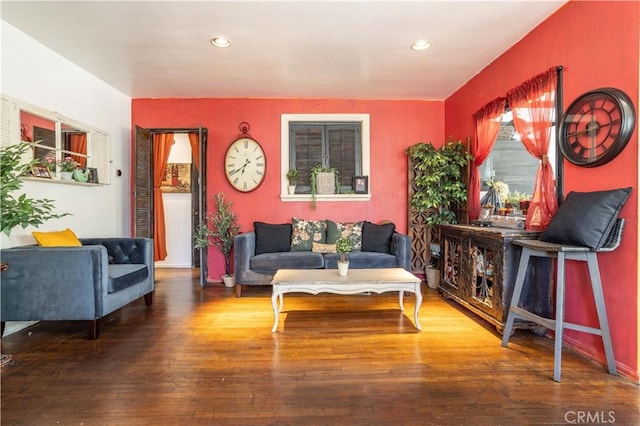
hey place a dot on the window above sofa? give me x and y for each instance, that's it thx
(352, 129)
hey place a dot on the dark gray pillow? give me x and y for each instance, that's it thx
(377, 238)
(272, 238)
(586, 218)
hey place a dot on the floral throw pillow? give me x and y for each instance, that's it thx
(306, 232)
(353, 231)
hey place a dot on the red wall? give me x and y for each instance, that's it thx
(597, 44)
(394, 125)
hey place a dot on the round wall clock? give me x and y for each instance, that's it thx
(245, 164)
(596, 127)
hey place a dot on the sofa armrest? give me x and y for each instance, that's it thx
(244, 248)
(401, 248)
(125, 250)
(53, 283)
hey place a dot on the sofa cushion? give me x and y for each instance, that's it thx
(271, 262)
(272, 238)
(352, 231)
(377, 238)
(66, 238)
(362, 259)
(306, 232)
(586, 218)
(122, 276)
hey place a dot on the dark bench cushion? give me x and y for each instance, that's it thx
(271, 262)
(362, 260)
(126, 275)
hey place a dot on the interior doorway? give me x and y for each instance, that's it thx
(145, 192)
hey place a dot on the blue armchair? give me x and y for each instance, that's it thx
(75, 283)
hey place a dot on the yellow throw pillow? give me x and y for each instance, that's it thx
(66, 238)
(323, 248)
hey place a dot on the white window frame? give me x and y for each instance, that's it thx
(363, 119)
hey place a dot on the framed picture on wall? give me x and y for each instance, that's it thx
(361, 184)
(93, 175)
(177, 178)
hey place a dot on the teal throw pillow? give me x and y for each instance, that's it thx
(307, 232)
(352, 231)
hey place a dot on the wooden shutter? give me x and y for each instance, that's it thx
(343, 147)
(143, 184)
(307, 149)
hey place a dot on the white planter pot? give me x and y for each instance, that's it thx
(66, 175)
(229, 280)
(291, 189)
(343, 268)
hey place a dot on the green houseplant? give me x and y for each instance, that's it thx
(292, 175)
(441, 185)
(219, 230)
(343, 246)
(20, 210)
(314, 184)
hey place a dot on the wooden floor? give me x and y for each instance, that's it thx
(204, 357)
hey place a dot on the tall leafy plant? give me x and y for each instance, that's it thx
(441, 184)
(18, 209)
(219, 230)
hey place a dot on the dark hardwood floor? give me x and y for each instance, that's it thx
(203, 356)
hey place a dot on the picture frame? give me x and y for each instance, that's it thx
(93, 175)
(361, 184)
(177, 178)
(40, 171)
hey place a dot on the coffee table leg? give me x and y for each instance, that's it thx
(274, 302)
(401, 300)
(417, 308)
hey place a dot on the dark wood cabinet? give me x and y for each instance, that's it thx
(479, 267)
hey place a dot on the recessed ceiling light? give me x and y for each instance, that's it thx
(220, 41)
(421, 44)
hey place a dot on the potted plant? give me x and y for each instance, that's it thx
(343, 246)
(219, 230)
(292, 175)
(20, 210)
(67, 166)
(323, 180)
(440, 187)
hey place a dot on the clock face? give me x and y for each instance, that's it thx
(245, 164)
(596, 127)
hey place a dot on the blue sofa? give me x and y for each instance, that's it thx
(75, 283)
(258, 269)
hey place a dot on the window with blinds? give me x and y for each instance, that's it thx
(329, 144)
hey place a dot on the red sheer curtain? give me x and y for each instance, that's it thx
(195, 149)
(533, 107)
(78, 143)
(487, 123)
(162, 143)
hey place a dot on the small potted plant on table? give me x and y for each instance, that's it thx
(343, 246)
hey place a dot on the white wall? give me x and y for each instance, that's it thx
(33, 73)
(177, 213)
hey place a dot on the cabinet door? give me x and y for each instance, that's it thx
(485, 277)
(452, 253)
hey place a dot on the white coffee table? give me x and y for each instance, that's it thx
(314, 281)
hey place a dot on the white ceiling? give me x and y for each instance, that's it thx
(295, 49)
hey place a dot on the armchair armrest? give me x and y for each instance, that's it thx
(38, 284)
(401, 248)
(244, 248)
